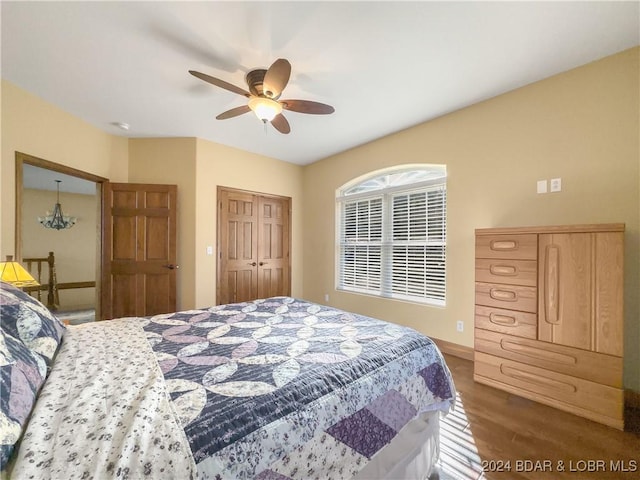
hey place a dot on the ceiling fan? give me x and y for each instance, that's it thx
(265, 88)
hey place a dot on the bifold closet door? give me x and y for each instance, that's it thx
(237, 247)
(273, 247)
(253, 246)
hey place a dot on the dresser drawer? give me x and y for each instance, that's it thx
(552, 388)
(513, 272)
(592, 366)
(511, 297)
(519, 247)
(512, 322)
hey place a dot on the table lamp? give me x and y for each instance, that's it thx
(15, 274)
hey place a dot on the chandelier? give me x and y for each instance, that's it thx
(57, 220)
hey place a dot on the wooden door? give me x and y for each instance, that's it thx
(139, 249)
(273, 247)
(237, 246)
(253, 246)
(565, 295)
(580, 299)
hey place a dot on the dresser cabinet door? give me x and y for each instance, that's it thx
(580, 290)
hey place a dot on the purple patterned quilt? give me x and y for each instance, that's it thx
(283, 389)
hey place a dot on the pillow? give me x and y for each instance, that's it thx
(26, 319)
(22, 373)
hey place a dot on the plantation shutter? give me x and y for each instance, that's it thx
(417, 247)
(361, 245)
(392, 241)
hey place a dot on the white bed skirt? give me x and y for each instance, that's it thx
(412, 454)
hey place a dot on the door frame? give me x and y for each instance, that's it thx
(219, 232)
(23, 158)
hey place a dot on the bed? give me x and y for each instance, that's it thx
(274, 389)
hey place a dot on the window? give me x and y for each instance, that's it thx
(392, 235)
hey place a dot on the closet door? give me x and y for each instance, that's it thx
(273, 247)
(237, 247)
(253, 246)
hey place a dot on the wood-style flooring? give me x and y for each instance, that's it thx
(496, 435)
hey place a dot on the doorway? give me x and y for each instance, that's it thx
(76, 251)
(254, 240)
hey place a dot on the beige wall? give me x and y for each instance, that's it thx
(198, 167)
(581, 126)
(35, 127)
(172, 161)
(74, 248)
(218, 165)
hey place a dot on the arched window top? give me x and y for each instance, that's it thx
(396, 178)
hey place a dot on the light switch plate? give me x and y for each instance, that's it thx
(542, 186)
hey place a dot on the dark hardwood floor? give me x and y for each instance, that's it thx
(496, 435)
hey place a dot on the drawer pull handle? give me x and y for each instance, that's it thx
(503, 270)
(502, 245)
(503, 295)
(534, 379)
(505, 320)
(552, 285)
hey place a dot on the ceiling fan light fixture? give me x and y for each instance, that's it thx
(265, 88)
(265, 108)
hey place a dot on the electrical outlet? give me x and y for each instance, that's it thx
(326, 297)
(460, 325)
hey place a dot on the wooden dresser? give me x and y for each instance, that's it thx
(549, 316)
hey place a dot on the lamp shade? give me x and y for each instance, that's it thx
(15, 274)
(265, 108)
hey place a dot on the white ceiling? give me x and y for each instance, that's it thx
(384, 66)
(44, 179)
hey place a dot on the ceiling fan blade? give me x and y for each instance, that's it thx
(280, 123)
(307, 106)
(234, 112)
(219, 83)
(276, 78)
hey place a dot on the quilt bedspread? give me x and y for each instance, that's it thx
(104, 412)
(282, 388)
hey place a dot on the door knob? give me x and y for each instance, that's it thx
(262, 263)
(171, 266)
(253, 264)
